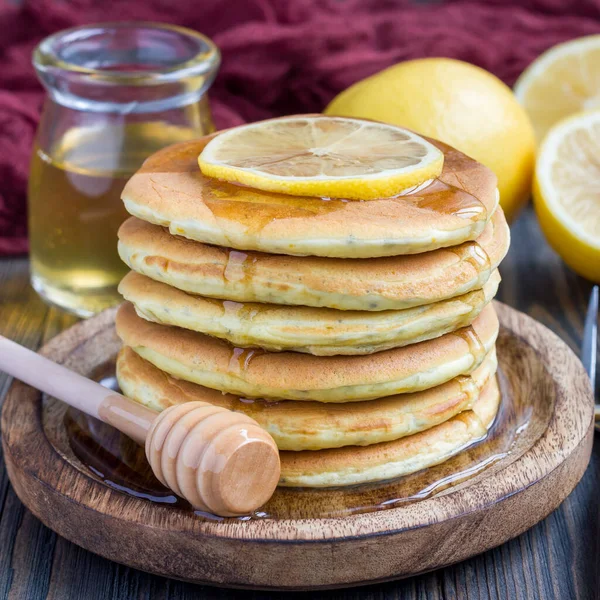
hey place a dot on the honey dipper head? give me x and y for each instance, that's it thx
(220, 461)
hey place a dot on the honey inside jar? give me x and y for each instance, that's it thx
(75, 209)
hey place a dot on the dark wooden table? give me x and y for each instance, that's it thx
(557, 559)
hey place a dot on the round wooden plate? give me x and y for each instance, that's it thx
(96, 495)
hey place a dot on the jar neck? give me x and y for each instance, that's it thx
(126, 68)
(123, 99)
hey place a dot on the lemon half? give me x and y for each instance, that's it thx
(567, 192)
(322, 156)
(561, 82)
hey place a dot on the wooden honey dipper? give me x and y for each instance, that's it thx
(220, 461)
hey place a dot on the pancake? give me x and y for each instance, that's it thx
(219, 365)
(372, 284)
(318, 331)
(351, 465)
(170, 190)
(313, 425)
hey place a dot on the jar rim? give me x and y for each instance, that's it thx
(206, 60)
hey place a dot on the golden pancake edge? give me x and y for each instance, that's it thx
(391, 283)
(254, 373)
(313, 425)
(317, 331)
(352, 465)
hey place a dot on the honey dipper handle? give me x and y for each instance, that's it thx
(76, 390)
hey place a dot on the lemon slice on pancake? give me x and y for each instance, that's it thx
(567, 192)
(322, 156)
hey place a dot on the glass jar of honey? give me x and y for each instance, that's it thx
(117, 92)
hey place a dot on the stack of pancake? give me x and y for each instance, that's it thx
(359, 334)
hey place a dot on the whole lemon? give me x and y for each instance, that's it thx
(459, 104)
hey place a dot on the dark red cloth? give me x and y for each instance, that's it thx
(279, 56)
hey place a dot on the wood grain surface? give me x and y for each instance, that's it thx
(558, 558)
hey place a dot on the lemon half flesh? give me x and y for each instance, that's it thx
(322, 156)
(567, 192)
(562, 81)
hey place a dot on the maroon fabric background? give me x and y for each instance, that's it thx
(279, 56)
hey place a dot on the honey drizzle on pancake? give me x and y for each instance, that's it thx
(475, 299)
(245, 312)
(254, 210)
(468, 385)
(239, 266)
(447, 199)
(474, 254)
(476, 346)
(240, 358)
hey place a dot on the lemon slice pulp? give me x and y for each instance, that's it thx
(563, 81)
(322, 156)
(567, 192)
